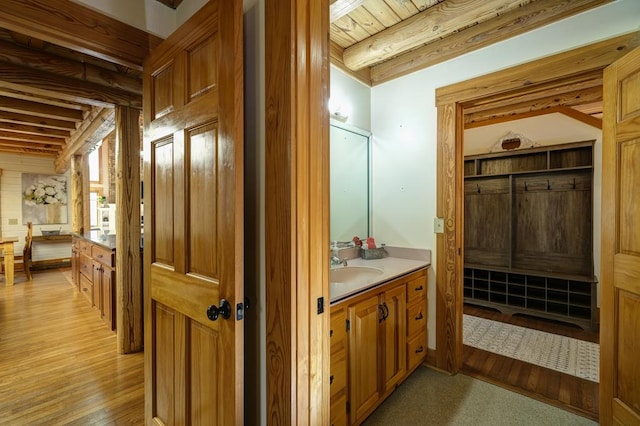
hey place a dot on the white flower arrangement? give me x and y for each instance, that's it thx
(51, 190)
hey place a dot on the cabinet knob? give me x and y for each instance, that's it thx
(420, 349)
(420, 316)
(418, 288)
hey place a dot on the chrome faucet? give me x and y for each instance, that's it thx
(335, 260)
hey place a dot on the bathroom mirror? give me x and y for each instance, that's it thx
(350, 166)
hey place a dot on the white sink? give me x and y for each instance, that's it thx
(354, 274)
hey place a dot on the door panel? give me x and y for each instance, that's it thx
(395, 333)
(194, 228)
(620, 307)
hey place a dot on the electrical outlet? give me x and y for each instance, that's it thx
(438, 225)
(13, 221)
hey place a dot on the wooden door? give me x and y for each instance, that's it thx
(364, 389)
(395, 336)
(620, 271)
(194, 221)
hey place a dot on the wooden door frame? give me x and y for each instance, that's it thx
(297, 211)
(545, 76)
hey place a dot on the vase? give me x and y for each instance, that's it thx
(53, 213)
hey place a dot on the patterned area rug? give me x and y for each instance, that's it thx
(565, 354)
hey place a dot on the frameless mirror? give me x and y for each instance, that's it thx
(350, 182)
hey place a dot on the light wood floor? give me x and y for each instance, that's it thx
(562, 390)
(58, 360)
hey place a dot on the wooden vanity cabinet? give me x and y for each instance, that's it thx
(380, 330)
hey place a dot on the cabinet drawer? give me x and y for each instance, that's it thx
(339, 411)
(416, 350)
(86, 266)
(416, 317)
(338, 379)
(84, 247)
(102, 255)
(86, 288)
(338, 330)
(416, 288)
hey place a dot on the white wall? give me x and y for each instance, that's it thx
(352, 97)
(404, 123)
(13, 166)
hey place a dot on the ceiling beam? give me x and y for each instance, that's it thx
(340, 8)
(42, 110)
(507, 25)
(96, 126)
(76, 27)
(335, 55)
(25, 137)
(59, 66)
(431, 24)
(12, 117)
(42, 83)
(27, 151)
(8, 143)
(34, 130)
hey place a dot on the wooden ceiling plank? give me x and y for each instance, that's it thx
(34, 130)
(12, 117)
(431, 24)
(77, 27)
(58, 65)
(335, 54)
(340, 8)
(507, 25)
(349, 26)
(403, 8)
(39, 109)
(366, 20)
(424, 4)
(577, 61)
(568, 99)
(382, 12)
(27, 79)
(26, 137)
(21, 94)
(340, 37)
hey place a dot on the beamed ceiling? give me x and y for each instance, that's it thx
(61, 74)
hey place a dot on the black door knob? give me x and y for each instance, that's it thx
(213, 312)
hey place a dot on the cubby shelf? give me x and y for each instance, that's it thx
(529, 232)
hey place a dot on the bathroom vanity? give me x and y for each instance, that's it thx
(378, 330)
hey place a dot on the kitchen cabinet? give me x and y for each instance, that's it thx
(376, 341)
(93, 268)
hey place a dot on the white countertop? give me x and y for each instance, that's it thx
(400, 261)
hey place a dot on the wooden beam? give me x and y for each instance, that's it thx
(38, 109)
(503, 113)
(76, 27)
(129, 333)
(12, 117)
(569, 112)
(96, 126)
(8, 143)
(27, 79)
(60, 66)
(335, 54)
(27, 151)
(507, 25)
(578, 61)
(433, 23)
(77, 221)
(340, 8)
(25, 137)
(34, 130)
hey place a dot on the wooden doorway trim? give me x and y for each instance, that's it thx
(536, 81)
(296, 211)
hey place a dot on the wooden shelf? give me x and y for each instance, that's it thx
(529, 232)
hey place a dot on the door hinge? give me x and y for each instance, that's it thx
(348, 325)
(320, 305)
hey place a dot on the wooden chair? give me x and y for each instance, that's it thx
(24, 260)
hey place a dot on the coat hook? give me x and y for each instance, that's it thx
(478, 186)
(548, 185)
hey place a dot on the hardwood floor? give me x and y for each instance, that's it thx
(58, 360)
(569, 392)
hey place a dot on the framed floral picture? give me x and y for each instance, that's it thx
(44, 199)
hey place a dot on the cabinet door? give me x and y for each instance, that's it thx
(107, 305)
(364, 390)
(394, 336)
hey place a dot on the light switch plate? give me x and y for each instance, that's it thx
(438, 225)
